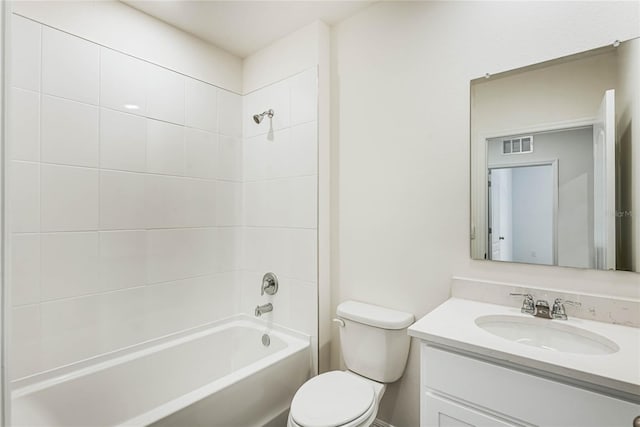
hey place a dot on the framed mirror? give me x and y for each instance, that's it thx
(555, 161)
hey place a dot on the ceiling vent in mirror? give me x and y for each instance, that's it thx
(522, 144)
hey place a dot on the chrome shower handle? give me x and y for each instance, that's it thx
(269, 284)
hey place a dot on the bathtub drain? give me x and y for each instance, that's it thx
(266, 340)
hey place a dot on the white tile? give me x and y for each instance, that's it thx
(165, 94)
(25, 53)
(304, 97)
(201, 105)
(179, 253)
(226, 287)
(69, 264)
(70, 66)
(123, 82)
(303, 152)
(122, 259)
(227, 249)
(124, 321)
(165, 148)
(24, 125)
(201, 153)
(25, 325)
(229, 203)
(26, 339)
(69, 198)
(70, 325)
(286, 252)
(286, 153)
(123, 141)
(287, 202)
(200, 203)
(25, 269)
(186, 303)
(122, 201)
(262, 155)
(229, 160)
(69, 132)
(166, 201)
(304, 307)
(24, 202)
(275, 97)
(230, 113)
(70, 330)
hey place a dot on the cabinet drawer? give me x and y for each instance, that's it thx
(520, 395)
(442, 412)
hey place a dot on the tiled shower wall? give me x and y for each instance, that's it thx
(125, 199)
(280, 170)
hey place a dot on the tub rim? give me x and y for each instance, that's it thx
(49, 378)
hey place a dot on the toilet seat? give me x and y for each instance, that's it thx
(333, 399)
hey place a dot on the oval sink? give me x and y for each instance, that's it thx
(547, 334)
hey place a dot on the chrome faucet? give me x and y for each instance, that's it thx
(265, 308)
(540, 308)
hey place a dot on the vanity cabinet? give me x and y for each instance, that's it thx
(460, 390)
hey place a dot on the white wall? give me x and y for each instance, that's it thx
(283, 179)
(400, 85)
(124, 198)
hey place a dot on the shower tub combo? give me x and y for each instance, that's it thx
(221, 374)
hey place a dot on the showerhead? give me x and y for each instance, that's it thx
(259, 117)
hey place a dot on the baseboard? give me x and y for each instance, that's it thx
(380, 423)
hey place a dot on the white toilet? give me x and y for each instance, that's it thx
(375, 346)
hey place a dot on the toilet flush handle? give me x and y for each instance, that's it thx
(340, 322)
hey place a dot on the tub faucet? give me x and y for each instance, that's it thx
(265, 308)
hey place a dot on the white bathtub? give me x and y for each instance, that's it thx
(217, 375)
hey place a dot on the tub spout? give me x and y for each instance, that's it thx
(265, 308)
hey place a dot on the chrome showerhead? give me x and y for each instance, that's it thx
(259, 117)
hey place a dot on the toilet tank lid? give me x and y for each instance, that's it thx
(374, 315)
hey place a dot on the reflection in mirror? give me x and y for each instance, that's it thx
(556, 162)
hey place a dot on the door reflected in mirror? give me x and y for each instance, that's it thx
(554, 167)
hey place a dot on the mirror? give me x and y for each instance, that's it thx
(555, 162)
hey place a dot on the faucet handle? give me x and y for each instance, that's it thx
(269, 284)
(558, 311)
(566, 301)
(528, 305)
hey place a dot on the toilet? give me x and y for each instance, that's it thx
(375, 346)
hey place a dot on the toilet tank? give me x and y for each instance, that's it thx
(374, 340)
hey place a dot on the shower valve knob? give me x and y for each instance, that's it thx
(269, 284)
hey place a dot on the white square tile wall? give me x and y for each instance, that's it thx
(125, 214)
(70, 66)
(143, 201)
(280, 181)
(25, 114)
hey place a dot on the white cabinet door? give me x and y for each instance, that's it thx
(442, 412)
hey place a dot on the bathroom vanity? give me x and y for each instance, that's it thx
(484, 364)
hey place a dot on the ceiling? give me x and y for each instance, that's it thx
(243, 27)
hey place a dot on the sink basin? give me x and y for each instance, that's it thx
(547, 334)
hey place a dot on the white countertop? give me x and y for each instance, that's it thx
(452, 324)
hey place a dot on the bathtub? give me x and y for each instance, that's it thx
(215, 375)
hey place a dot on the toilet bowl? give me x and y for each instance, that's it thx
(375, 347)
(336, 399)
